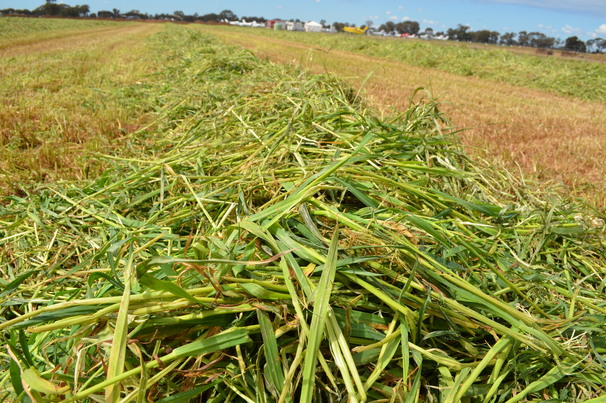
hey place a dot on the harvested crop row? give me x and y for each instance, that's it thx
(277, 242)
(567, 77)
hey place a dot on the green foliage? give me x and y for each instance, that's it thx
(271, 237)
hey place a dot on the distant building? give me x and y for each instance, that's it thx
(313, 26)
(271, 24)
(295, 26)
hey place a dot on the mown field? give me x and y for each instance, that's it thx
(575, 78)
(554, 132)
(211, 226)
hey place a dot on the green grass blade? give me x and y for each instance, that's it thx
(318, 321)
(274, 371)
(118, 350)
(499, 346)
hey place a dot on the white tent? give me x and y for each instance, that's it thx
(313, 26)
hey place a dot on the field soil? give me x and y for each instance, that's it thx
(553, 138)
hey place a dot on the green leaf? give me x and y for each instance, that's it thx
(118, 350)
(318, 322)
(150, 281)
(17, 281)
(270, 346)
(32, 377)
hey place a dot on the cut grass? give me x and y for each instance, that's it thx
(445, 279)
(21, 28)
(553, 138)
(568, 77)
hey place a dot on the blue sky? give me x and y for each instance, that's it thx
(558, 18)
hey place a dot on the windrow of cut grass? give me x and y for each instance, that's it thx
(549, 136)
(273, 240)
(573, 78)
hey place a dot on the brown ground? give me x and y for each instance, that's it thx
(549, 136)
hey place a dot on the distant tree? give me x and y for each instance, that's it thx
(428, 31)
(84, 10)
(340, 25)
(116, 13)
(523, 39)
(105, 14)
(370, 23)
(136, 14)
(252, 18)
(12, 11)
(575, 44)
(408, 27)
(228, 15)
(49, 8)
(74, 12)
(484, 36)
(597, 44)
(508, 39)
(212, 17)
(540, 40)
(388, 27)
(179, 14)
(459, 34)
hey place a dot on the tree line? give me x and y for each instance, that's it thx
(52, 9)
(461, 33)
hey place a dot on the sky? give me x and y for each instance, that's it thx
(558, 18)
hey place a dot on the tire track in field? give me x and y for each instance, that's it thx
(549, 136)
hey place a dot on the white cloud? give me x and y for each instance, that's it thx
(388, 13)
(569, 30)
(601, 30)
(400, 7)
(429, 22)
(373, 17)
(405, 18)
